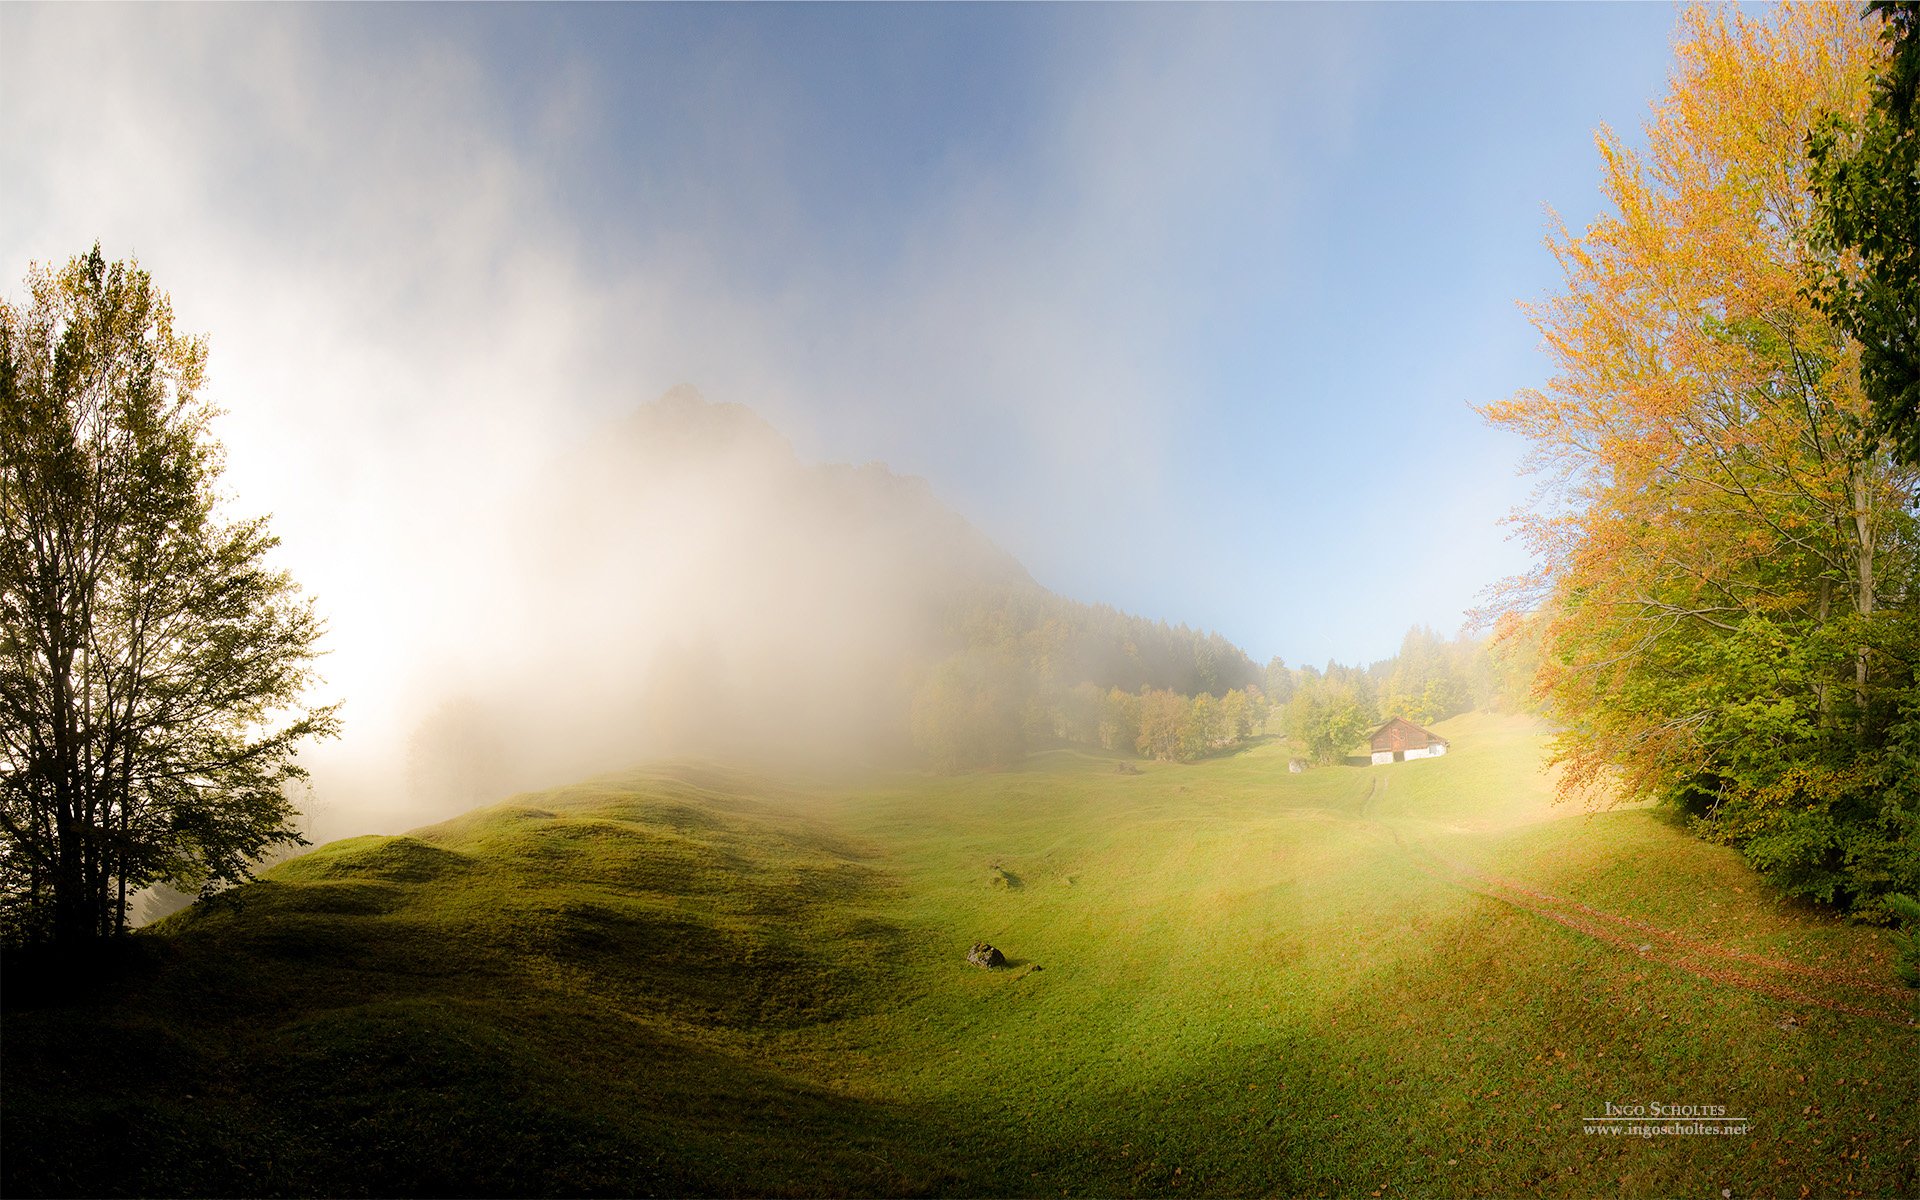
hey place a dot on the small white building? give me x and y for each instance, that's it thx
(1400, 739)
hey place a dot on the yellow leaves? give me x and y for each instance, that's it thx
(1699, 443)
(1685, 346)
(1711, 220)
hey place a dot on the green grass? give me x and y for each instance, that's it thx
(1225, 979)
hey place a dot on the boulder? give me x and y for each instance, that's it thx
(986, 957)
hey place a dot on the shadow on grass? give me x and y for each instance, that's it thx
(435, 1098)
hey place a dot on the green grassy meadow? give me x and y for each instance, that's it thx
(1224, 979)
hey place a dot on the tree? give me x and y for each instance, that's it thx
(1510, 661)
(1727, 552)
(1258, 709)
(1163, 724)
(1278, 680)
(971, 712)
(1866, 177)
(1203, 728)
(1329, 713)
(1079, 714)
(1236, 715)
(1424, 685)
(151, 663)
(1120, 721)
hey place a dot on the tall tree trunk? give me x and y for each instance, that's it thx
(71, 910)
(120, 874)
(1863, 579)
(1823, 697)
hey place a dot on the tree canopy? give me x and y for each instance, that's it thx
(152, 663)
(1727, 547)
(1866, 176)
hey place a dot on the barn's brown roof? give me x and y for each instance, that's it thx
(1400, 735)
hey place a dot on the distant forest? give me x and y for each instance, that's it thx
(1030, 669)
(913, 638)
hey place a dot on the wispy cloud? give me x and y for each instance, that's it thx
(436, 248)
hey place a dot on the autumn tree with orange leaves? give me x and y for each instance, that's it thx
(1726, 549)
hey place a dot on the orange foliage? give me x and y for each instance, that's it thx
(1706, 474)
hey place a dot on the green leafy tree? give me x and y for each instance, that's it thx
(1725, 602)
(1906, 943)
(1163, 724)
(1278, 680)
(1259, 709)
(1203, 729)
(1865, 178)
(1236, 715)
(1331, 712)
(151, 664)
(1350, 715)
(1424, 684)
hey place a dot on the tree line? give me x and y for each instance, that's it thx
(989, 706)
(1024, 668)
(1328, 711)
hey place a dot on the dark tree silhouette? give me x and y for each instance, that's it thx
(151, 664)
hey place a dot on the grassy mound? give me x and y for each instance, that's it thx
(573, 997)
(1223, 978)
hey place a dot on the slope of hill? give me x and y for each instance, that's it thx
(581, 992)
(1225, 979)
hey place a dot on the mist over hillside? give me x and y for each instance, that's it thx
(685, 585)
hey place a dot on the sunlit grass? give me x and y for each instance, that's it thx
(1224, 979)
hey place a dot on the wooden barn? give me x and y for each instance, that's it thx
(1400, 739)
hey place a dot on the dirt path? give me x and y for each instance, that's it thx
(1377, 789)
(1799, 983)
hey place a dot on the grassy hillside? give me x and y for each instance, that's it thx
(1225, 979)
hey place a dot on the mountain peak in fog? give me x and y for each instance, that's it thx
(683, 421)
(685, 583)
(686, 452)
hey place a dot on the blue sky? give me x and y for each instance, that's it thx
(1186, 306)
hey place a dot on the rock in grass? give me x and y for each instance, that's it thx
(986, 957)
